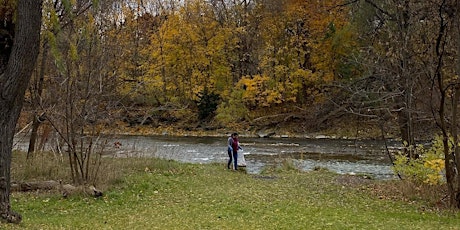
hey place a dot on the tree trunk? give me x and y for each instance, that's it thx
(13, 84)
(37, 94)
(455, 102)
(456, 150)
(406, 81)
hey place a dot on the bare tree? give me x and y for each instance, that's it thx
(80, 89)
(445, 91)
(38, 87)
(411, 73)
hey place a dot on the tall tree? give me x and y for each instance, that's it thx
(443, 72)
(14, 80)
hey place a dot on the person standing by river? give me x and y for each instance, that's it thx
(235, 146)
(230, 150)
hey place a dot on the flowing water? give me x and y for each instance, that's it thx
(339, 155)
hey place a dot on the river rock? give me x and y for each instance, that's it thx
(266, 133)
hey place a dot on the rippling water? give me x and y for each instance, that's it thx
(338, 155)
(341, 156)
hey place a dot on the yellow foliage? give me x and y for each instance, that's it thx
(293, 50)
(273, 97)
(328, 39)
(433, 179)
(261, 91)
(255, 92)
(428, 168)
(437, 166)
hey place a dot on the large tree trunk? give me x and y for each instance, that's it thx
(13, 84)
(455, 105)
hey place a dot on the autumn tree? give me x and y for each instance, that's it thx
(305, 44)
(438, 51)
(211, 46)
(188, 60)
(22, 27)
(128, 30)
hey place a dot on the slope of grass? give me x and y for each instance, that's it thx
(171, 195)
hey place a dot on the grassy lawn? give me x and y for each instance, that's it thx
(171, 195)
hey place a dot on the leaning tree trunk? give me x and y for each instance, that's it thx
(13, 84)
(444, 90)
(36, 101)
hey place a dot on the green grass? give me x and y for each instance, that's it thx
(171, 195)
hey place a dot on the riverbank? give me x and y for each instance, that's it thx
(162, 194)
(346, 130)
(347, 127)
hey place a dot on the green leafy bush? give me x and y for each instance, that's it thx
(233, 110)
(428, 168)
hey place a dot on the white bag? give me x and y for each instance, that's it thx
(241, 161)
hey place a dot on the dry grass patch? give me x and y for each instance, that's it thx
(431, 197)
(45, 166)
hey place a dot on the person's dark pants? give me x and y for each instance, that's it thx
(235, 159)
(229, 158)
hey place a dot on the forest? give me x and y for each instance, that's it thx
(300, 66)
(246, 65)
(194, 64)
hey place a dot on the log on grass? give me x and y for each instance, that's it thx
(65, 189)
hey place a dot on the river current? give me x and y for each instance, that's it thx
(366, 157)
(344, 156)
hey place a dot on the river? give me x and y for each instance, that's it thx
(339, 155)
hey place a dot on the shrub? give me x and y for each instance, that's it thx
(233, 110)
(428, 168)
(207, 104)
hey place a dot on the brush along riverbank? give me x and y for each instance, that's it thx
(161, 194)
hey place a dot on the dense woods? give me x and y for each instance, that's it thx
(190, 64)
(244, 65)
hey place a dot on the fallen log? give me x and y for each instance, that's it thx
(34, 186)
(64, 189)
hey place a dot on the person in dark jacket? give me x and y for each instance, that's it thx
(235, 147)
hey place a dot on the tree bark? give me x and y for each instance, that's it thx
(455, 105)
(13, 84)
